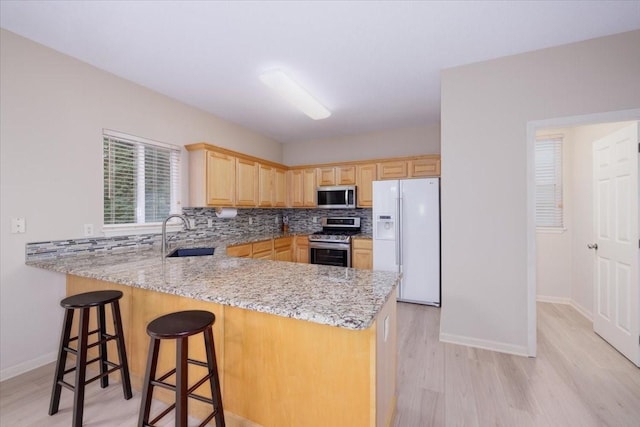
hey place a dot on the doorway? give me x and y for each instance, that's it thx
(560, 264)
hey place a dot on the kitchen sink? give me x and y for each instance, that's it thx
(184, 252)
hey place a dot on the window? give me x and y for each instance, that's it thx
(549, 182)
(141, 180)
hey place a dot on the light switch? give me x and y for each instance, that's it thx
(18, 225)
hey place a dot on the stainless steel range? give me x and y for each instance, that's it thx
(332, 245)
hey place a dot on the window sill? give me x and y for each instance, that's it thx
(138, 229)
(550, 230)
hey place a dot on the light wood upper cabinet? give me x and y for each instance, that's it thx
(326, 176)
(392, 170)
(362, 254)
(309, 187)
(365, 175)
(265, 185)
(424, 167)
(221, 174)
(246, 183)
(279, 188)
(296, 188)
(346, 175)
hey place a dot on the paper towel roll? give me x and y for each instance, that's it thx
(226, 212)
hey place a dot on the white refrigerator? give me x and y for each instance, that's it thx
(406, 236)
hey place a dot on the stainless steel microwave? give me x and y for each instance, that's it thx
(337, 197)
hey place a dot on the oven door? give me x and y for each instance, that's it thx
(338, 254)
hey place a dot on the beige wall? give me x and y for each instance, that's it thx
(486, 168)
(53, 109)
(389, 143)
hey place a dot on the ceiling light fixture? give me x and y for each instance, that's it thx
(297, 96)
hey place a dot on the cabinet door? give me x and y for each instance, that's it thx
(279, 191)
(239, 250)
(265, 185)
(246, 183)
(424, 167)
(302, 249)
(362, 254)
(392, 170)
(283, 249)
(326, 176)
(309, 187)
(346, 175)
(221, 173)
(365, 175)
(262, 250)
(296, 188)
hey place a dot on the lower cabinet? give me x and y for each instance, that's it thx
(280, 249)
(362, 254)
(302, 249)
(283, 249)
(240, 250)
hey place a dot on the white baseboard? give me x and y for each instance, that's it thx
(485, 344)
(555, 300)
(27, 366)
(561, 300)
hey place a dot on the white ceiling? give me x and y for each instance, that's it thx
(375, 65)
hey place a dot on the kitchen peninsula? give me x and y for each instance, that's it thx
(297, 344)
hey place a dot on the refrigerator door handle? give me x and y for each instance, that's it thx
(399, 233)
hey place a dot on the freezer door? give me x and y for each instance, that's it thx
(385, 203)
(420, 240)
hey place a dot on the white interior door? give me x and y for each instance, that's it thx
(617, 298)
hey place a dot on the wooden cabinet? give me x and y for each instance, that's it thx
(362, 254)
(326, 176)
(262, 250)
(392, 170)
(346, 175)
(246, 183)
(265, 185)
(365, 175)
(303, 188)
(424, 167)
(243, 251)
(283, 249)
(301, 247)
(279, 188)
(221, 173)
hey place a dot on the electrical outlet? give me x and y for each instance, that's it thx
(315, 219)
(250, 221)
(210, 223)
(277, 220)
(18, 225)
(88, 230)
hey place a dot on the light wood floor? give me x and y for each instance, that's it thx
(576, 380)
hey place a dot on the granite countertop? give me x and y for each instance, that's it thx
(343, 297)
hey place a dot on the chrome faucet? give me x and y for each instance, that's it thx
(187, 226)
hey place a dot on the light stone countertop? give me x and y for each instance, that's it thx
(343, 297)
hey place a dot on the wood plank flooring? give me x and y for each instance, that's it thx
(576, 380)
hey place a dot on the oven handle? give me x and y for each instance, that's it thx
(321, 245)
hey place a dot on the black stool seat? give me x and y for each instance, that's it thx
(180, 326)
(85, 302)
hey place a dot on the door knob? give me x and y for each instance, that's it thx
(593, 246)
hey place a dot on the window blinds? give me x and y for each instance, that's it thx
(141, 180)
(549, 182)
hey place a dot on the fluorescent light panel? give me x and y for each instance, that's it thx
(294, 94)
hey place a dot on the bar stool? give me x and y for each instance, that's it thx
(84, 302)
(180, 326)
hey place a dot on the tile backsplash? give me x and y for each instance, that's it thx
(207, 226)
